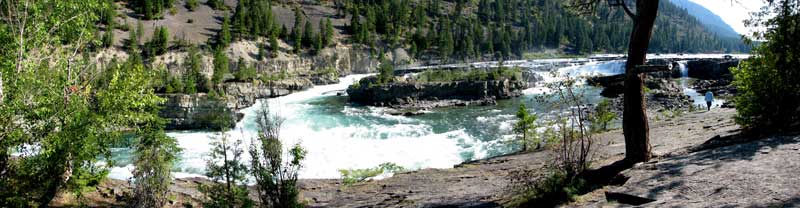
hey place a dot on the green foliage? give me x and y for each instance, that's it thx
(509, 28)
(220, 67)
(441, 75)
(276, 180)
(216, 4)
(385, 73)
(327, 32)
(352, 176)
(254, 18)
(175, 84)
(194, 80)
(226, 169)
(224, 36)
(158, 45)
(525, 128)
(191, 5)
(551, 190)
(55, 119)
(108, 38)
(274, 46)
(308, 35)
(150, 9)
(245, 72)
(768, 82)
(602, 116)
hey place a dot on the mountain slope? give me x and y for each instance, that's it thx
(713, 22)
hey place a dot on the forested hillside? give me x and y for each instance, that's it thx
(449, 30)
(509, 28)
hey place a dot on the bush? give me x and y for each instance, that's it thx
(385, 73)
(352, 176)
(245, 72)
(573, 147)
(602, 116)
(276, 180)
(191, 5)
(768, 82)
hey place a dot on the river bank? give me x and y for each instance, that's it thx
(486, 182)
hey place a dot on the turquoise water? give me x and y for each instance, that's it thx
(340, 135)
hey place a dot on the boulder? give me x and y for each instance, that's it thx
(711, 68)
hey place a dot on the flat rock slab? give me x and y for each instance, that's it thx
(763, 173)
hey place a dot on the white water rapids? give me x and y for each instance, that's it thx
(339, 135)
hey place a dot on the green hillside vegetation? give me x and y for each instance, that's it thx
(508, 28)
(467, 30)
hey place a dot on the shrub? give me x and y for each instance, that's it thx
(276, 180)
(573, 149)
(245, 72)
(385, 73)
(352, 176)
(602, 116)
(191, 5)
(768, 82)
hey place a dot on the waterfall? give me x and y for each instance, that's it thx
(682, 67)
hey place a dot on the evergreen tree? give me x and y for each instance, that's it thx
(191, 5)
(220, 67)
(326, 32)
(216, 4)
(308, 35)
(274, 46)
(224, 36)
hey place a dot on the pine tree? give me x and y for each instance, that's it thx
(220, 67)
(308, 35)
(224, 37)
(274, 46)
(216, 4)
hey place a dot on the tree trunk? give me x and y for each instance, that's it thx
(634, 120)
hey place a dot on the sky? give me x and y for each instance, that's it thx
(733, 12)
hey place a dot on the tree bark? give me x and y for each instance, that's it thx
(634, 121)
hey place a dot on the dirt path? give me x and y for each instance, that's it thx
(485, 183)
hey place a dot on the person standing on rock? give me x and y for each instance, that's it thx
(709, 99)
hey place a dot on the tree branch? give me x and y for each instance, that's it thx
(628, 11)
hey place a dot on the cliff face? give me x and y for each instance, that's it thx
(421, 94)
(193, 111)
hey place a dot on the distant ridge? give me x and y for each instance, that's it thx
(712, 21)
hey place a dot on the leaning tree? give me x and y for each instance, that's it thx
(634, 120)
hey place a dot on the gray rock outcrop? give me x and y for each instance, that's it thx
(423, 95)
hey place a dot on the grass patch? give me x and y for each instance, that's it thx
(550, 55)
(551, 190)
(352, 176)
(469, 75)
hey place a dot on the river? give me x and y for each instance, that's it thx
(339, 135)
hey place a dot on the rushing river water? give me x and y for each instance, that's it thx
(339, 135)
